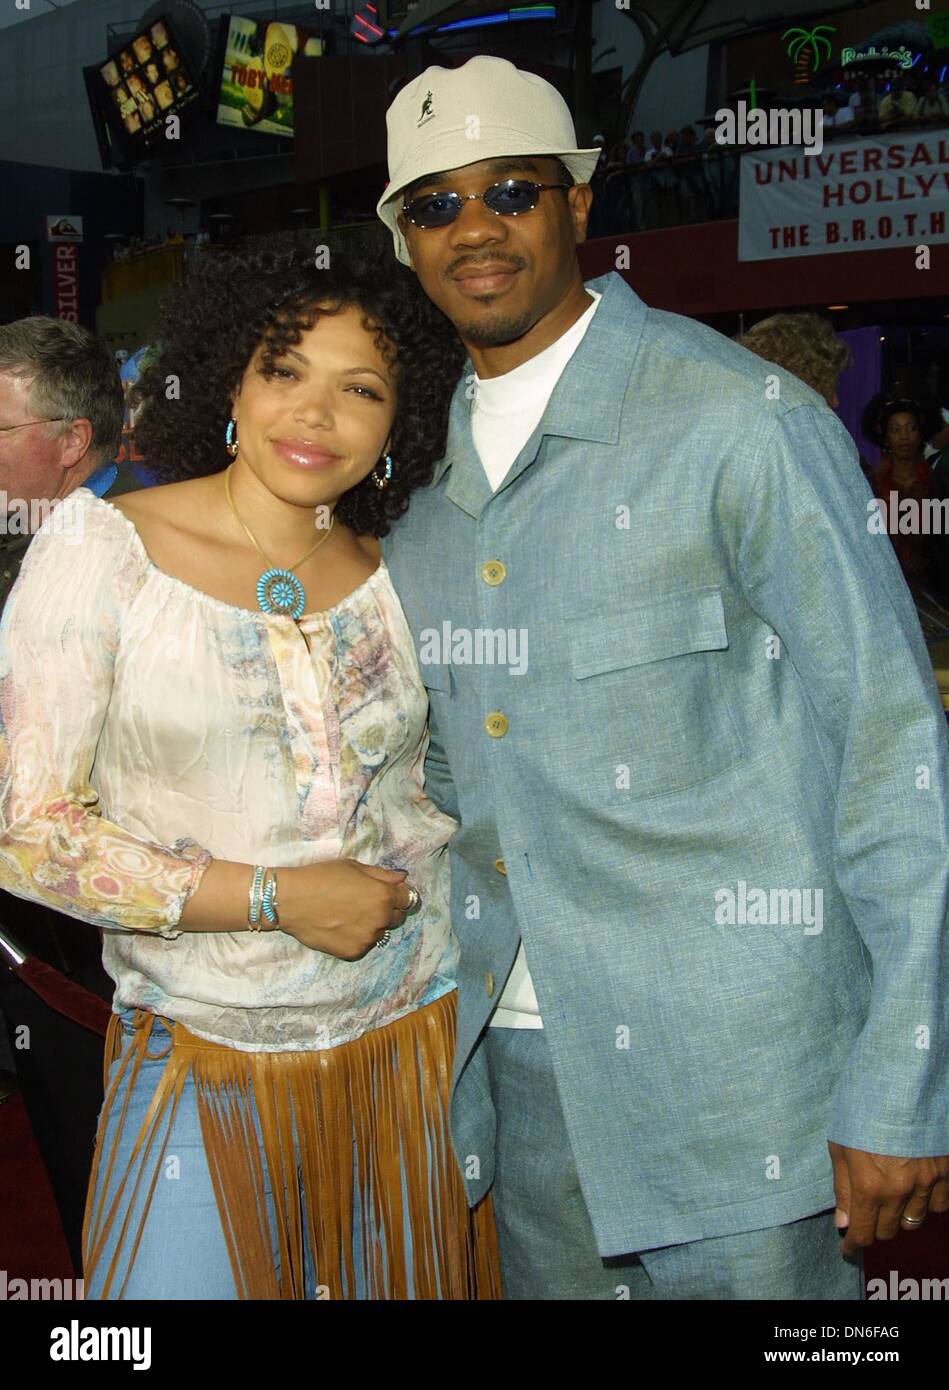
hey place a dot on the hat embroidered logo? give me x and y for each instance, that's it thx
(427, 111)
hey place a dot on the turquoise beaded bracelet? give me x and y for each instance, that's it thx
(268, 901)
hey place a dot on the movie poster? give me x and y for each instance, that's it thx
(256, 91)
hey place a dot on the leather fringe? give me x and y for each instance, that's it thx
(380, 1101)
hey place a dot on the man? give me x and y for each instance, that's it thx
(658, 184)
(690, 177)
(658, 148)
(60, 425)
(932, 108)
(669, 668)
(838, 116)
(804, 345)
(635, 157)
(898, 107)
(637, 149)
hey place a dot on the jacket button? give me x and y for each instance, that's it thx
(496, 724)
(489, 984)
(493, 572)
(499, 865)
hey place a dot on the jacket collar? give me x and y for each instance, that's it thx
(586, 403)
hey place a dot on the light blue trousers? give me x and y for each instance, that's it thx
(182, 1253)
(547, 1246)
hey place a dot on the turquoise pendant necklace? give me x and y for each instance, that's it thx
(278, 590)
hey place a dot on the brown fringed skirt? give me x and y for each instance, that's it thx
(359, 1132)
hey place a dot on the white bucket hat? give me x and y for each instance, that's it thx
(487, 108)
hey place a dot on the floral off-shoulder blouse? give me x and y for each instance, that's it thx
(147, 727)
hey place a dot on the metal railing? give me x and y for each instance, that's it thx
(697, 187)
(151, 266)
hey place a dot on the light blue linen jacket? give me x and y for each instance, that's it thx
(726, 685)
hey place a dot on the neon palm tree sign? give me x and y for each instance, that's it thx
(805, 49)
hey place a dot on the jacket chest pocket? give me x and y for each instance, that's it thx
(651, 687)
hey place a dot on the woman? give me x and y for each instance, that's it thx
(213, 734)
(901, 426)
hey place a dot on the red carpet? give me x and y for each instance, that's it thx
(32, 1244)
(922, 1254)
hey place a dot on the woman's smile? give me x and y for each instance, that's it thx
(302, 453)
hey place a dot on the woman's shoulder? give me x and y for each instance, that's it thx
(165, 517)
(86, 552)
(163, 502)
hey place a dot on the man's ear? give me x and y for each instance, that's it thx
(580, 198)
(76, 443)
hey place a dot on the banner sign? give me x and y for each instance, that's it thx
(66, 281)
(256, 90)
(64, 233)
(857, 195)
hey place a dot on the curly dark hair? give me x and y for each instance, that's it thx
(229, 304)
(880, 410)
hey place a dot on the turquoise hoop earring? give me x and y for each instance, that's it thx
(386, 479)
(230, 437)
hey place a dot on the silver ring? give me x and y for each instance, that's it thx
(385, 938)
(913, 1220)
(415, 899)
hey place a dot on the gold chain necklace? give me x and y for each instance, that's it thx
(278, 589)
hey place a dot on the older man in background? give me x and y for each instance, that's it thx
(60, 426)
(61, 411)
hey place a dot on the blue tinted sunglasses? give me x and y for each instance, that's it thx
(506, 199)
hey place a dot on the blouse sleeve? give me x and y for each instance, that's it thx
(58, 641)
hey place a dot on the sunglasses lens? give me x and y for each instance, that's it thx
(512, 196)
(434, 209)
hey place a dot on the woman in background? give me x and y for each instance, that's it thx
(901, 426)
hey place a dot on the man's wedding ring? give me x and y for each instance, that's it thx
(912, 1220)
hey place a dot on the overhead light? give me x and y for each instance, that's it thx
(838, 306)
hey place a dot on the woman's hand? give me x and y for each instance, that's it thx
(341, 906)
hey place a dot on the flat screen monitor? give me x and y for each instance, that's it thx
(256, 90)
(143, 84)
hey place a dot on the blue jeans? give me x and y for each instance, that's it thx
(546, 1241)
(182, 1253)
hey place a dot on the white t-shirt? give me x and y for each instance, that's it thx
(504, 414)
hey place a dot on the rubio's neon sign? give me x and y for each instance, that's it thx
(901, 56)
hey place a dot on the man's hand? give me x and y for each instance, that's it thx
(875, 1192)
